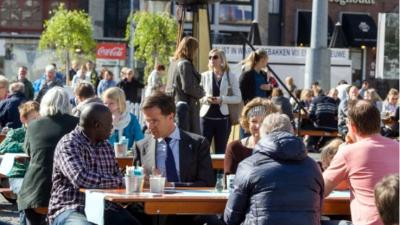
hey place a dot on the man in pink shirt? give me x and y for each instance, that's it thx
(363, 163)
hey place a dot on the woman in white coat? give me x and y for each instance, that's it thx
(214, 110)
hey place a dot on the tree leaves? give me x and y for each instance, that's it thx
(154, 38)
(68, 30)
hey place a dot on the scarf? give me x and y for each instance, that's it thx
(121, 122)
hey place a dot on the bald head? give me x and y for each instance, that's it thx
(96, 121)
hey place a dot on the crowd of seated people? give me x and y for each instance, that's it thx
(70, 142)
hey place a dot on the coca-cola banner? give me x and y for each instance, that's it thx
(108, 50)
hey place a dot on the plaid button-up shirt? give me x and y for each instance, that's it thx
(78, 163)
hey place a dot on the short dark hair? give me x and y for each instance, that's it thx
(387, 199)
(162, 101)
(85, 90)
(160, 67)
(342, 82)
(365, 116)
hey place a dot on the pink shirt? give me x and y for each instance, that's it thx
(363, 164)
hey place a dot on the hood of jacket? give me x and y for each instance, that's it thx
(282, 146)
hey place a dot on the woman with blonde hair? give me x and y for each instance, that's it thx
(251, 119)
(125, 124)
(254, 81)
(184, 84)
(305, 100)
(373, 96)
(214, 110)
(390, 104)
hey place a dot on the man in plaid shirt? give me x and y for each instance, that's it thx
(85, 159)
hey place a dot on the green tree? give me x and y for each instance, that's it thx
(154, 37)
(68, 32)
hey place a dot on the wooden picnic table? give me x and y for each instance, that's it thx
(202, 201)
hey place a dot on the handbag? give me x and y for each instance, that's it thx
(234, 109)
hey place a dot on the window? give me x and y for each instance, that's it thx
(115, 16)
(236, 12)
(21, 14)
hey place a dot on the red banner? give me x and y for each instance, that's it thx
(111, 51)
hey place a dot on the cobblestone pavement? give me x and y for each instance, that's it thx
(8, 212)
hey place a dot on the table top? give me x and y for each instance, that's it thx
(186, 194)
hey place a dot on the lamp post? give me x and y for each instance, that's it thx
(318, 65)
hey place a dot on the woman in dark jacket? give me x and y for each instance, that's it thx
(41, 139)
(184, 80)
(254, 81)
(279, 183)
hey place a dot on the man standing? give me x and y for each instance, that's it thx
(364, 88)
(279, 183)
(353, 94)
(74, 69)
(22, 73)
(92, 74)
(48, 82)
(182, 157)
(132, 88)
(9, 114)
(363, 163)
(85, 159)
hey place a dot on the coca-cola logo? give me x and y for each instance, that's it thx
(111, 51)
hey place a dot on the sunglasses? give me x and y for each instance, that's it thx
(215, 57)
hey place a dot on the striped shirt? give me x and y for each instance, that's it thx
(78, 163)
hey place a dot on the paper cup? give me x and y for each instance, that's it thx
(157, 184)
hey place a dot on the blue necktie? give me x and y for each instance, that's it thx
(172, 175)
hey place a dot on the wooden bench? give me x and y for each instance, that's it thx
(319, 133)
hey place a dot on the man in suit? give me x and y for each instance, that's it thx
(182, 157)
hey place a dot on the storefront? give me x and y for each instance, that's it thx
(358, 20)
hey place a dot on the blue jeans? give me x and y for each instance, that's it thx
(71, 217)
(115, 216)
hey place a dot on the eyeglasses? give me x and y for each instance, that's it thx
(214, 57)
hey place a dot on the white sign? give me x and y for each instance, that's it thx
(234, 53)
(359, 2)
(290, 61)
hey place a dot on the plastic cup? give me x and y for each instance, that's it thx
(157, 184)
(120, 149)
(129, 185)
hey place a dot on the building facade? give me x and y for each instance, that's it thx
(358, 19)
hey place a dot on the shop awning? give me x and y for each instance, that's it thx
(304, 28)
(360, 29)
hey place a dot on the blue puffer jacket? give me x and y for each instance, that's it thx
(278, 184)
